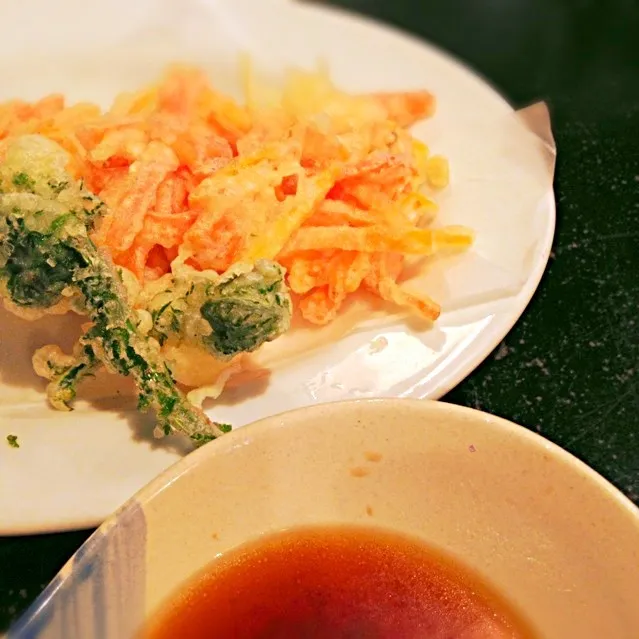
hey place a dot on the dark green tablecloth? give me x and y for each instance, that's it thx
(570, 368)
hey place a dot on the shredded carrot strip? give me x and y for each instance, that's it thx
(374, 239)
(406, 108)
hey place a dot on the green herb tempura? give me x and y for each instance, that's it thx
(49, 264)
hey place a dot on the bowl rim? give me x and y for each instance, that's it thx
(261, 428)
(257, 429)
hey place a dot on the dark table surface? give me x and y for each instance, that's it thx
(570, 367)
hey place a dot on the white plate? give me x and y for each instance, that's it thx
(73, 469)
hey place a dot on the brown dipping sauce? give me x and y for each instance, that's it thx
(336, 583)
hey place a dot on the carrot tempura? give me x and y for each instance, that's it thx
(332, 186)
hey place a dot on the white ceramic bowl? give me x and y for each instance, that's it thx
(544, 529)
